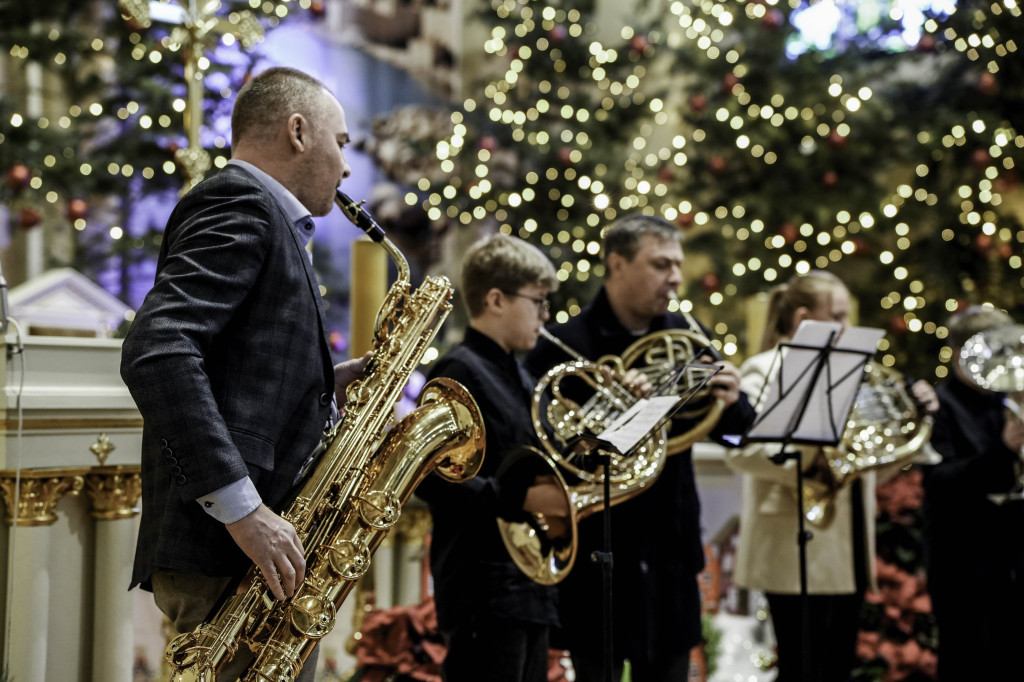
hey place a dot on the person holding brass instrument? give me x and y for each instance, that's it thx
(228, 359)
(495, 620)
(840, 554)
(973, 550)
(656, 535)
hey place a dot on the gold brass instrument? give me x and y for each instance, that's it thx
(545, 549)
(994, 360)
(354, 495)
(884, 427)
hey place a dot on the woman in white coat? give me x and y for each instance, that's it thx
(840, 555)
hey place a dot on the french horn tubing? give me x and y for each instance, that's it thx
(545, 549)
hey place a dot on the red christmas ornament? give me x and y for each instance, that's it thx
(730, 81)
(830, 179)
(1005, 251)
(557, 33)
(926, 43)
(684, 221)
(29, 217)
(77, 209)
(710, 283)
(789, 232)
(897, 325)
(18, 177)
(717, 164)
(988, 84)
(982, 244)
(489, 142)
(835, 140)
(639, 43)
(698, 102)
(565, 155)
(772, 19)
(317, 9)
(1007, 181)
(861, 247)
(981, 159)
(666, 174)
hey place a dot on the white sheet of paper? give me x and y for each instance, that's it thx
(831, 398)
(636, 423)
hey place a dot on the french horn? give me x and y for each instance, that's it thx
(885, 426)
(993, 360)
(579, 399)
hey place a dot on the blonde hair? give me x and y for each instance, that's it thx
(505, 263)
(801, 291)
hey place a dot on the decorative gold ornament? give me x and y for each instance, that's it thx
(38, 492)
(114, 492)
(102, 448)
(196, 28)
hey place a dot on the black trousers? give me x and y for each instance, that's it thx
(832, 642)
(497, 650)
(589, 668)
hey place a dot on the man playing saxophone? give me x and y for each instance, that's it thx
(655, 536)
(495, 620)
(228, 360)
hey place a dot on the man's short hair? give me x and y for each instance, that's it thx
(969, 321)
(269, 98)
(625, 234)
(502, 262)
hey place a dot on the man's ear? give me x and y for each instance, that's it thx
(297, 130)
(613, 261)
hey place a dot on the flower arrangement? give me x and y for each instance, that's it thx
(897, 642)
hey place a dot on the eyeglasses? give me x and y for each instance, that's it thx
(542, 303)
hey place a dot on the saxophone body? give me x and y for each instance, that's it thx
(354, 496)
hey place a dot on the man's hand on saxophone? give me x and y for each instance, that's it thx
(273, 545)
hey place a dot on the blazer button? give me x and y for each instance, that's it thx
(166, 452)
(180, 479)
(175, 470)
(325, 399)
(172, 460)
(163, 442)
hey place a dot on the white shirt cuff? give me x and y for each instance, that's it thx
(233, 502)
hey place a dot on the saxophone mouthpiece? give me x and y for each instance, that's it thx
(355, 212)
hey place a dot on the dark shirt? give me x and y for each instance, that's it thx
(474, 576)
(656, 538)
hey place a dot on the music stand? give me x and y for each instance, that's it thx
(809, 403)
(622, 437)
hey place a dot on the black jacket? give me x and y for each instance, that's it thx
(656, 536)
(474, 576)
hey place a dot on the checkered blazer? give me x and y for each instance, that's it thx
(228, 362)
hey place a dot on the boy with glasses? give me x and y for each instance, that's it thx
(495, 620)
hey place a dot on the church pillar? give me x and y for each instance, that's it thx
(114, 493)
(30, 498)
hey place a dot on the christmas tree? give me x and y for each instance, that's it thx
(884, 148)
(111, 111)
(544, 153)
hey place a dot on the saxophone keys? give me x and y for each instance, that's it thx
(312, 615)
(348, 560)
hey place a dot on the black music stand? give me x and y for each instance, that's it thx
(809, 402)
(622, 437)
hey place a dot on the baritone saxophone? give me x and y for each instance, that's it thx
(354, 495)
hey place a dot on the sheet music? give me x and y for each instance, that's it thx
(636, 423)
(822, 408)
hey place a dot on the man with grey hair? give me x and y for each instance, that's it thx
(655, 536)
(228, 359)
(973, 550)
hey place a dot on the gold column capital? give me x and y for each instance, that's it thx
(114, 491)
(38, 491)
(413, 526)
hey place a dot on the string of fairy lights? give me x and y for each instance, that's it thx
(662, 141)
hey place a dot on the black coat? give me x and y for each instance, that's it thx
(228, 362)
(474, 576)
(973, 548)
(656, 536)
